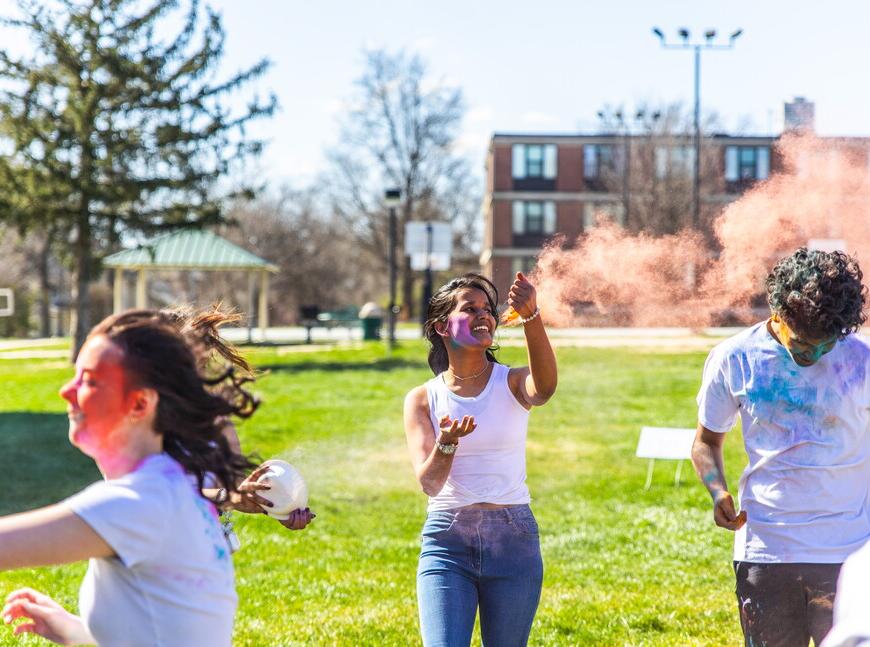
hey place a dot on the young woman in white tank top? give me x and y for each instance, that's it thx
(466, 432)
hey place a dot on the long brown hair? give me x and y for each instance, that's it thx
(441, 305)
(194, 399)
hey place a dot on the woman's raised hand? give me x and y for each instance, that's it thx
(46, 618)
(522, 296)
(453, 430)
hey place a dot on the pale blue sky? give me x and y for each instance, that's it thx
(549, 65)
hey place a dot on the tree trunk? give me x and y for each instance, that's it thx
(44, 287)
(81, 312)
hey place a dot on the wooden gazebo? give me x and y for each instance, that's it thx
(187, 250)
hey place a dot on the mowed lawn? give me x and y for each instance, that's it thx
(622, 566)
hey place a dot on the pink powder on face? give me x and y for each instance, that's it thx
(459, 327)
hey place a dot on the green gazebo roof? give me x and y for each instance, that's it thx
(188, 249)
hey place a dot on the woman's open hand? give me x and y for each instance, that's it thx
(452, 430)
(246, 498)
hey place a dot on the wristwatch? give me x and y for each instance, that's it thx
(447, 448)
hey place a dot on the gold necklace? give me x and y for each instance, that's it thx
(470, 377)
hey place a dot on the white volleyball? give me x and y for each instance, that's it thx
(287, 489)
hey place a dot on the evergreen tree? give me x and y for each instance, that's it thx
(108, 127)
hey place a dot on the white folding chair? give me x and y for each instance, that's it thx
(667, 443)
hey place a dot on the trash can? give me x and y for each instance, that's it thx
(371, 317)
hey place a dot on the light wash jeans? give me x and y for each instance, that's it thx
(473, 558)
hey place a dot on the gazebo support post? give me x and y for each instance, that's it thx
(141, 289)
(263, 310)
(252, 286)
(118, 291)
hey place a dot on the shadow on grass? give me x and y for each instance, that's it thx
(385, 364)
(38, 466)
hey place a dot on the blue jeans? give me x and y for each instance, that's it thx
(479, 558)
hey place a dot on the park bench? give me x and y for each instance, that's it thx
(311, 317)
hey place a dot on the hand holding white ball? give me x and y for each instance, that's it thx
(287, 489)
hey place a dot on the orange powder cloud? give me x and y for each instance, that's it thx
(611, 277)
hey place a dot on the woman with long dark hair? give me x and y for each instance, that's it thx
(466, 432)
(144, 405)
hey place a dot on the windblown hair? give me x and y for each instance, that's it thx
(205, 326)
(441, 305)
(817, 293)
(194, 402)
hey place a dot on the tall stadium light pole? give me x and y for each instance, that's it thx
(708, 43)
(392, 198)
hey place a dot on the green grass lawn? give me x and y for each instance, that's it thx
(622, 566)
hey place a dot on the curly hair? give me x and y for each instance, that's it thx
(194, 401)
(441, 305)
(817, 293)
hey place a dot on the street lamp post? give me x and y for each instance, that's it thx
(392, 197)
(708, 43)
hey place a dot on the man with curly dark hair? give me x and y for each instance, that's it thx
(801, 386)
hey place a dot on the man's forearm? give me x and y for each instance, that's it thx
(710, 466)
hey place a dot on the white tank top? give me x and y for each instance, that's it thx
(490, 463)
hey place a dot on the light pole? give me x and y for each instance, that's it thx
(708, 43)
(392, 197)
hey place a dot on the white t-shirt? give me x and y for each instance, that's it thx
(806, 431)
(172, 580)
(851, 620)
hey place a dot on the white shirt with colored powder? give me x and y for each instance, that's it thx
(171, 583)
(806, 431)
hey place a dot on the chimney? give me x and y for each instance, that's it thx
(800, 116)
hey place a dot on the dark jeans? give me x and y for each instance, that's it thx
(784, 605)
(489, 559)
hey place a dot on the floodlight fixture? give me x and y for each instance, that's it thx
(658, 32)
(735, 35)
(710, 34)
(684, 33)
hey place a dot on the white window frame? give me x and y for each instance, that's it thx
(520, 217)
(520, 161)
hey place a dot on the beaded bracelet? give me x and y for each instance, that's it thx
(528, 319)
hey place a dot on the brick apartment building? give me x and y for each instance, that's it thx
(539, 186)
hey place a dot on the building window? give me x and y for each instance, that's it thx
(593, 211)
(524, 264)
(674, 160)
(534, 161)
(600, 159)
(746, 163)
(534, 217)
